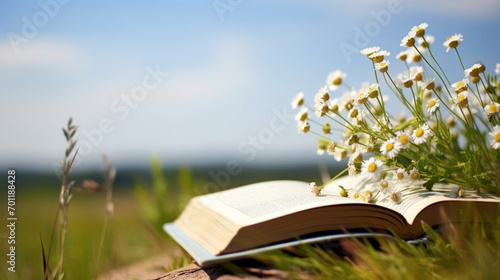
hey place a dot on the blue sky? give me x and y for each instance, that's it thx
(199, 81)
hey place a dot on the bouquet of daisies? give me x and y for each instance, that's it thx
(452, 135)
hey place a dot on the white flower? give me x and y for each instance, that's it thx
(402, 55)
(420, 29)
(390, 148)
(428, 84)
(461, 85)
(385, 187)
(413, 56)
(303, 127)
(370, 51)
(408, 40)
(339, 154)
(321, 95)
(321, 148)
(421, 134)
(416, 73)
(423, 44)
(379, 56)
(301, 115)
(404, 139)
(331, 148)
(495, 137)
(334, 79)
(432, 105)
(396, 197)
(372, 167)
(497, 69)
(401, 174)
(474, 70)
(414, 174)
(492, 109)
(320, 108)
(453, 41)
(334, 105)
(404, 80)
(298, 100)
(461, 99)
(383, 66)
(315, 189)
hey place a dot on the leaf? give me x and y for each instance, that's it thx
(429, 184)
(66, 134)
(44, 259)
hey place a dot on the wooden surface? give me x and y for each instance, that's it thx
(156, 269)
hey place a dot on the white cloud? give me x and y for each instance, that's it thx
(45, 52)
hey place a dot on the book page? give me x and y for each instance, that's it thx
(413, 202)
(267, 200)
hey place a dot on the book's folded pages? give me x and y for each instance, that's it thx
(276, 214)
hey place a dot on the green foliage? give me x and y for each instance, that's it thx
(464, 251)
(162, 201)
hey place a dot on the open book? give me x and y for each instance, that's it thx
(269, 215)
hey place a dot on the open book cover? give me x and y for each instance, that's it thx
(271, 215)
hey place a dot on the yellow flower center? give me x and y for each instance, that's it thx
(337, 81)
(419, 132)
(401, 176)
(460, 84)
(368, 194)
(355, 195)
(372, 167)
(493, 108)
(389, 146)
(395, 197)
(431, 103)
(497, 137)
(404, 139)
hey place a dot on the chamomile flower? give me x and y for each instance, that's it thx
(460, 86)
(315, 189)
(474, 70)
(429, 40)
(331, 148)
(372, 167)
(404, 80)
(366, 196)
(491, 109)
(334, 79)
(401, 174)
(373, 91)
(353, 113)
(497, 69)
(303, 127)
(384, 186)
(356, 157)
(383, 66)
(420, 29)
(416, 73)
(396, 197)
(370, 51)
(408, 40)
(428, 84)
(321, 95)
(462, 99)
(339, 154)
(390, 148)
(354, 193)
(495, 137)
(453, 41)
(432, 105)
(362, 96)
(333, 104)
(298, 100)
(321, 148)
(326, 128)
(413, 56)
(379, 56)
(404, 139)
(414, 174)
(402, 55)
(301, 115)
(320, 108)
(351, 168)
(421, 134)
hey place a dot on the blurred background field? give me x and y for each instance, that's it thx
(144, 199)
